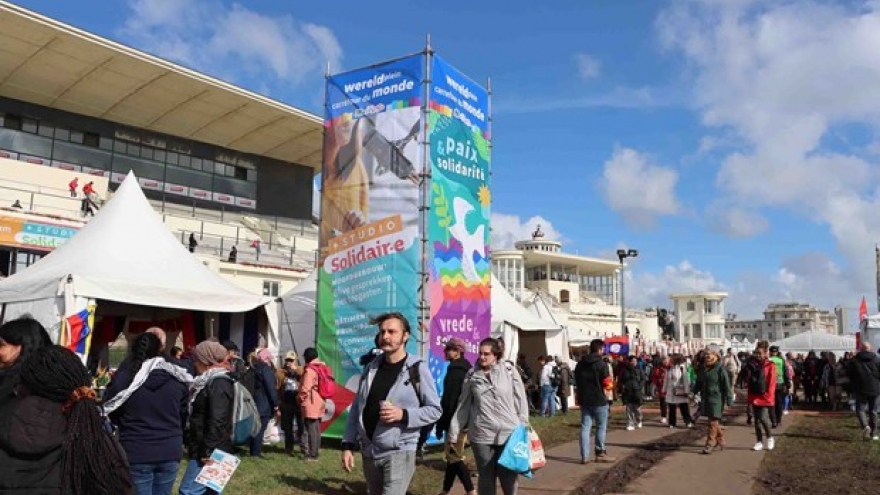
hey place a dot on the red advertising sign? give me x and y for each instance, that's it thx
(65, 166)
(8, 154)
(199, 194)
(97, 172)
(176, 189)
(224, 198)
(33, 159)
(151, 184)
(245, 203)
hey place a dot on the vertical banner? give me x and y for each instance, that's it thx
(369, 234)
(458, 221)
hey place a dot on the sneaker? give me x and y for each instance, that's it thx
(689, 425)
(630, 428)
(875, 437)
(866, 432)
(664, 421)
(785, 413)
(639, 425)
(604, 457)
(758, 446)
(771, 443)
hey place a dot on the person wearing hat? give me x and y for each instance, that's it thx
(783, 385)
(455, 375)
(210, 419)
(289, 379)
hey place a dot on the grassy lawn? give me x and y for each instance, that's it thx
(283, 475)
(821, 454)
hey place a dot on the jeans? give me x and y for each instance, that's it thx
(599, 414)
(391, 474)
(548, 400)
(869, 405)
(762, 422)
(257, 441)
(154, 478)
(489, 470)
(188, 485)
(778, 406)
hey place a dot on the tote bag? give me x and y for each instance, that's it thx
(516, 455)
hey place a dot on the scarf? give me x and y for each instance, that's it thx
(156, 363)
(201, 382)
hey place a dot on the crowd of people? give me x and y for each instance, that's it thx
(161, 409)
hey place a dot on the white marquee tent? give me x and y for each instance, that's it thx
(816, 340)
(298, 326)
(125, 255)
(522, 330)
(870, 329)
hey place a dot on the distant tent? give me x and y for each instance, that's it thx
(297, 331)
(815, 340)
(522, 330)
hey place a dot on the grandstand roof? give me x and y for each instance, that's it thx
(53, 64)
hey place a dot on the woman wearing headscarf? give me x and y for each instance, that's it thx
(148, 400)
(212, 396)
(265, 395)
(678, 389)
(492, 404)
(713, 386)
(52, 436)
(18, 339)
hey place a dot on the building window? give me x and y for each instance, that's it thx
(691, 306)
(803, 323)
(563, 296)
(769, 335)
(785, 335)
(698, 331)
(270, 288)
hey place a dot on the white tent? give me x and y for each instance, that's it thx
(815, 340)
(870, 329)
(126, 255)
(522, 330)
(298, 316)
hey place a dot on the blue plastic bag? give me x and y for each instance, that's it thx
(516, 455)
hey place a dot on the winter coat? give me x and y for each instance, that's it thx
(864, 374)
(491, 405)
(677, 380)
(591, 379)
(658, 378)
(9, 379)
(768, 367)
(713, 385)
(31, 433)
(631, 385)
(265, 389)
(152, 420)
(565, 380)
(313, 405)
(210, 423)
(456, 373)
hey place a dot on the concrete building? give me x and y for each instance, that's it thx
(782, 320)
(699, 315)
(582, 292)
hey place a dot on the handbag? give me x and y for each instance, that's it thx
(537, 459)
(516, 455)
(679, 391)
(273, 433)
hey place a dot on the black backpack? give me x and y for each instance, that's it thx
(555, 376)
(757, 380)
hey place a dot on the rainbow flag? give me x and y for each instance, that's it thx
(79, 332)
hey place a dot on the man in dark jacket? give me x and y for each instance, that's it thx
(455, 375)
(864, 379)
(210, 423)
(592, 378)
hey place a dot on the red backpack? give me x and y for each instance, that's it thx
(326, 383)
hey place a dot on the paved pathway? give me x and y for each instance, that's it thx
(685, 471)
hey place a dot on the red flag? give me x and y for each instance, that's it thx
(863, 310)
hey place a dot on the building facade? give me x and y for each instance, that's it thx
(783, 320)
(699, 315)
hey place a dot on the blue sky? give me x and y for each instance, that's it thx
(733, 142)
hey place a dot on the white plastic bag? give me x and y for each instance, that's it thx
(273, 433)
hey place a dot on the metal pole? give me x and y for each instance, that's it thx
(622, 301)
(424, 198)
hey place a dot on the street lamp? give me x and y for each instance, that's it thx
(623, 254)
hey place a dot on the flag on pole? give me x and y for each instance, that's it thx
(618, 346)
(863, 310)
(78, 331)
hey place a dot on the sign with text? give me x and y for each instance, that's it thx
(29, 234)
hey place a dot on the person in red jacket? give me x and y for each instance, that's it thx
(761, 386)
(658, 378)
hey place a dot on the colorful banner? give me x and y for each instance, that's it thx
(458, 221)
(29, 234)
(369, 235)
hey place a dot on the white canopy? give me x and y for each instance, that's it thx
(297, 331)
(125, 254)
(509, 318)
(815, 340)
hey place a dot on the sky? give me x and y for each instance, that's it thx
(733, 143)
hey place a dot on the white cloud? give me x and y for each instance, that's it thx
(736, 221)
(508, 229)
(233, 42)
(588, 66)
(781, 76)
(637, 189)
(644, 289)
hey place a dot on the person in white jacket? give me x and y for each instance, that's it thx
(678, 391)
(492, 404)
